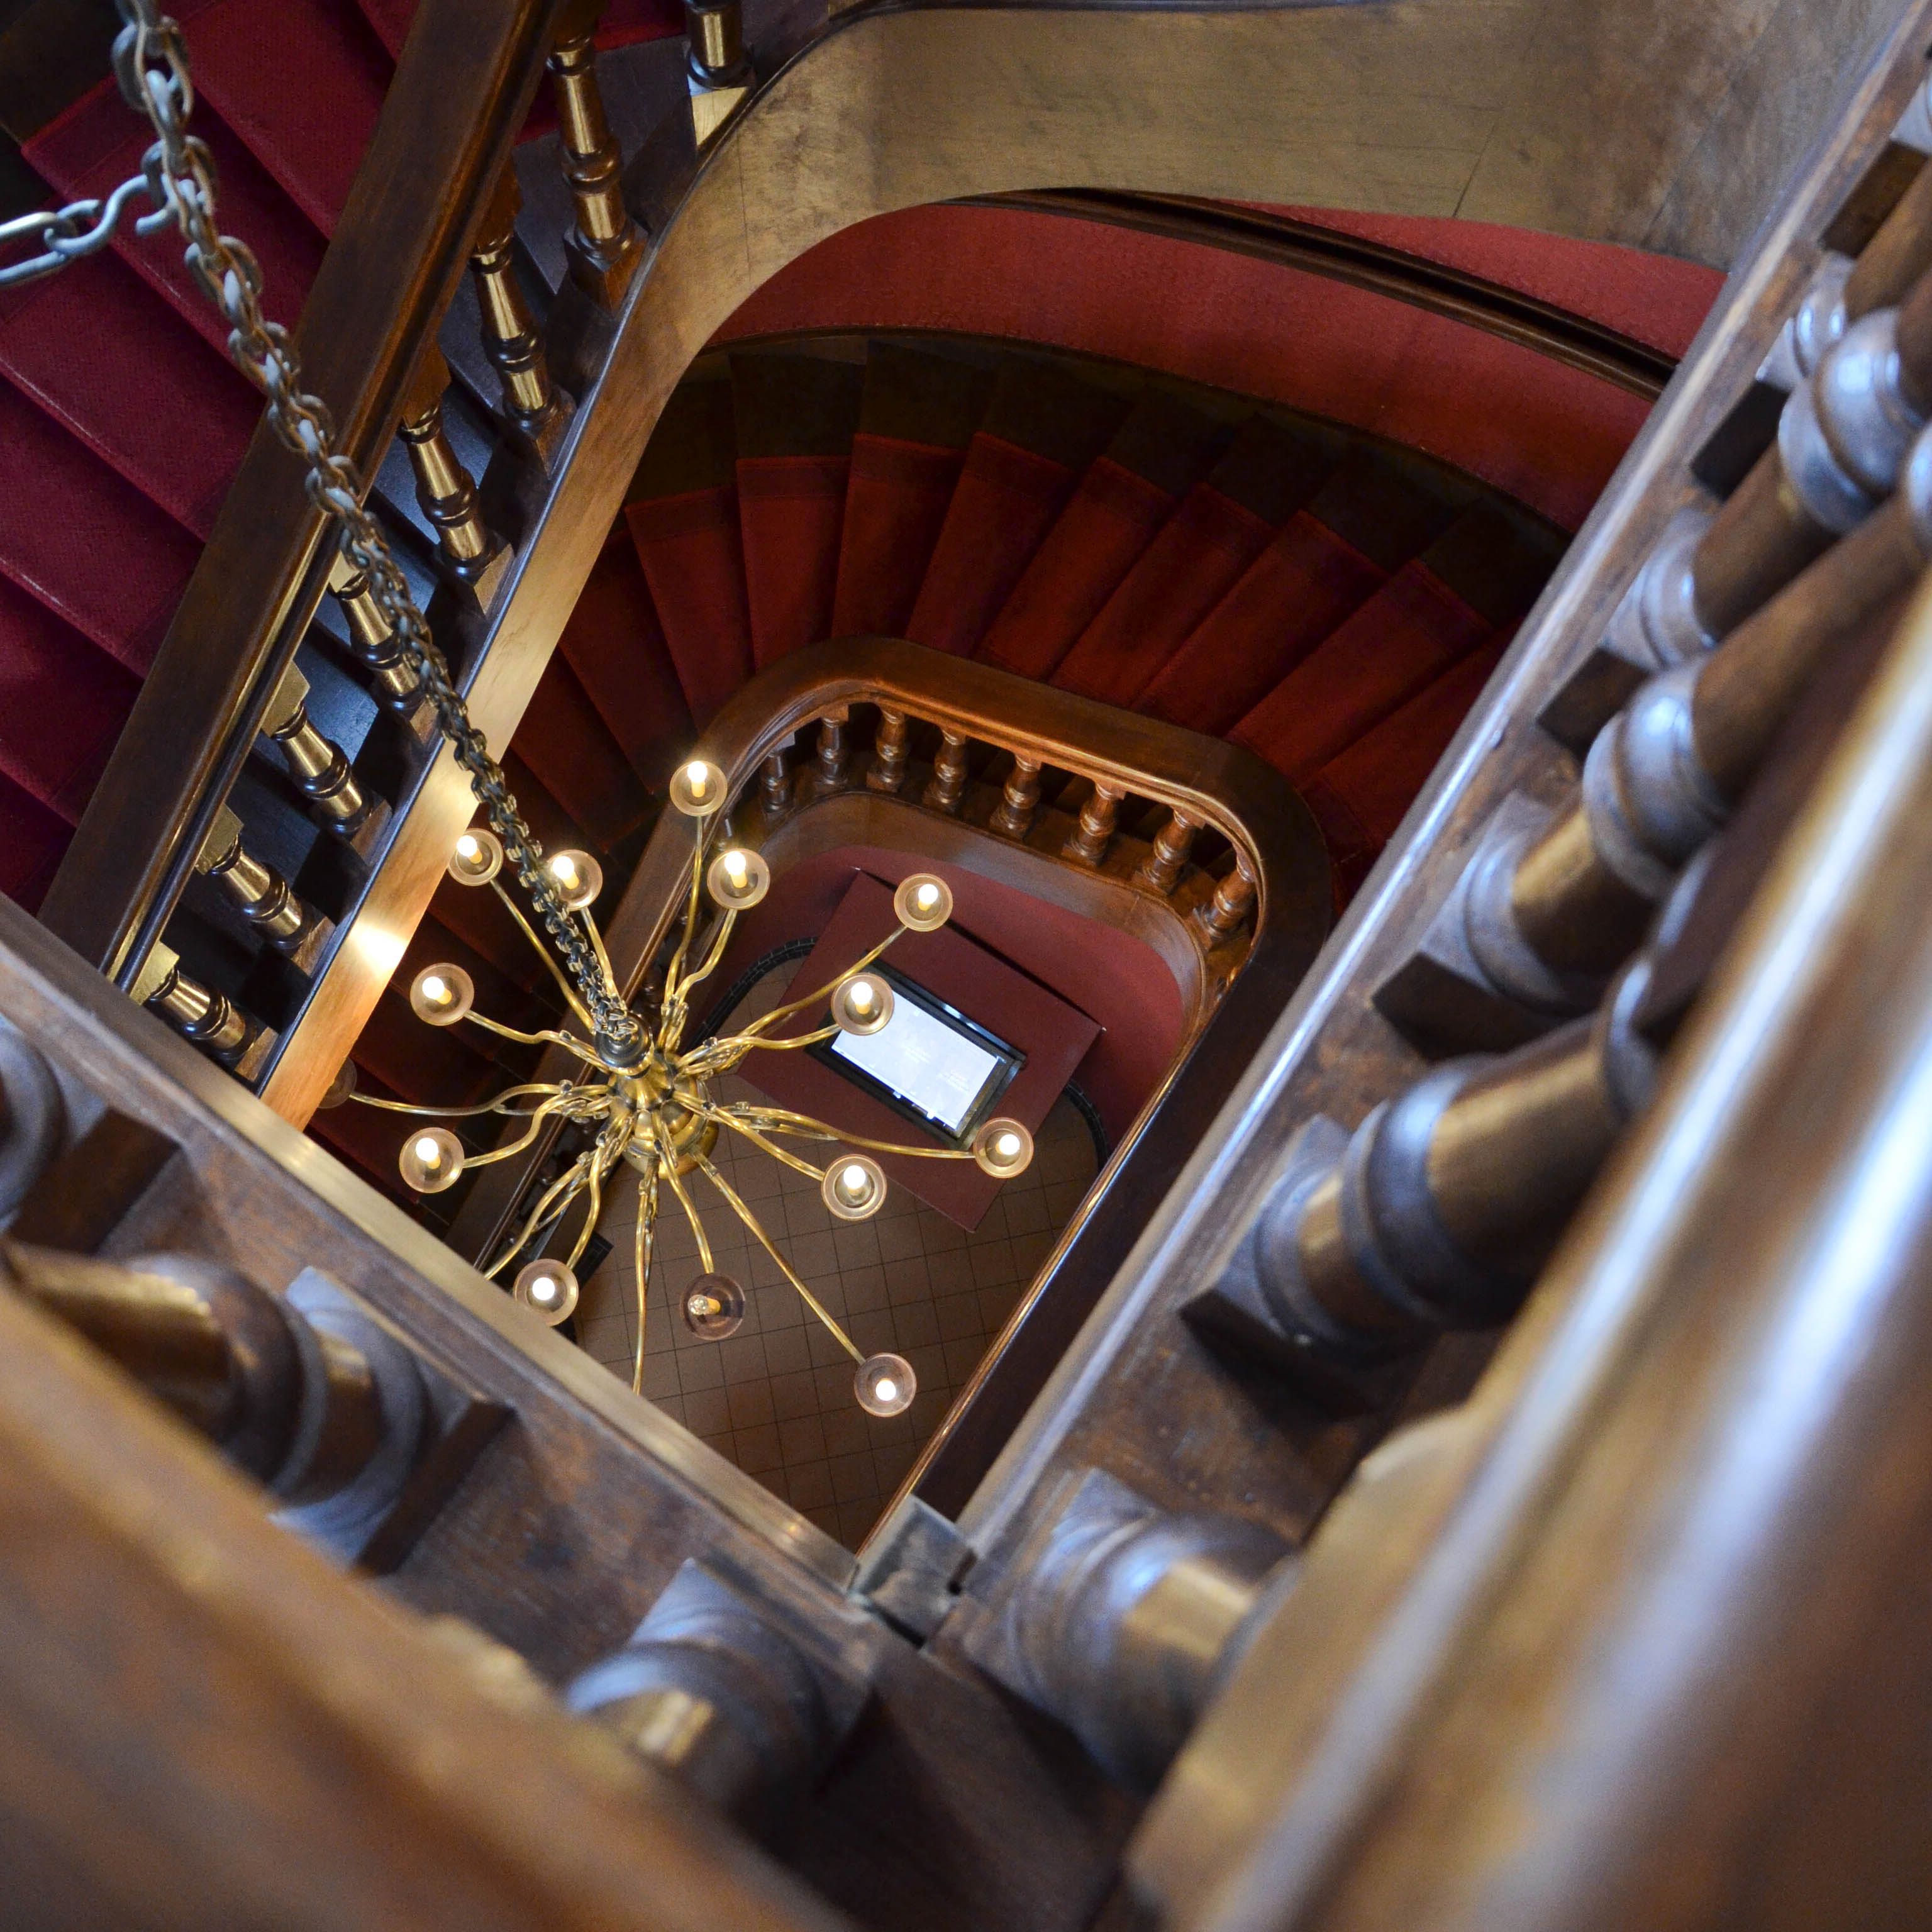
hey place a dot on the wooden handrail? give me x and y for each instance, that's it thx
(1594, 347)
(463, 88)
(1211, 784)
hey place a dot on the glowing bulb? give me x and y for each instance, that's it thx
(441, 993)
(854, 1189)
(548, 1289)
(885, 1385)
(923, 902)
(863, 1004)
(738, 878)
(714, 1306)
(579, 877)
(431, 1160)
(698, 788)
(477, 858)
(1003, 1148)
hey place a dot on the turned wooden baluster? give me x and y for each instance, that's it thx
(320, 769)
(774, 785)
(372, 639)
(198, 1012)
(1172, 843)
(890, 752)
(1234, 899)
(719, 75)
(830, 775)
(1090, 842)
(536, 412)
(258, 891)
(1021, 798)
(948, 785)
(603, 246)
(478, 561)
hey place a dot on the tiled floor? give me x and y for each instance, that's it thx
(776, 1398)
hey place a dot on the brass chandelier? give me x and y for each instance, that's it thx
(648, 1100)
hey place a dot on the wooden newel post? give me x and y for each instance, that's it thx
(603, 245)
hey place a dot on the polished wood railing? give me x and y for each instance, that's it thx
(435, 195)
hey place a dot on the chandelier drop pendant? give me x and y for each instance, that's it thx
(649, 1101)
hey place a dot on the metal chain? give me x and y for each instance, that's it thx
(151, 66)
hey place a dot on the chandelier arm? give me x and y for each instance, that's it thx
(572, 1179)
(594, 1187)
(537, 1118)
(495, 1106)
(826, 991)
(778, 1120)
(691, 1213)
(596, 939)
(546, 1037)
(543, 953)
(665, 1035)
(720, 940)
(725, 1054)
(751, 1220)
(647, 1217)
(758, 1140)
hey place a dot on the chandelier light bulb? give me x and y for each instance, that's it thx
(1003, 1148)
(738, 878)
(923, 902)
(477, 859)
(885, 1385)
(431, 1160)
(714, 1306)
(862, 1004)
(579, 877)
(548, 1289)
(698, 788)
(854, 1187)
(442, 994)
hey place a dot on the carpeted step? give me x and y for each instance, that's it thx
(32, 840)
(301, 83)
(1379, 509)
(63, 702)
(794, 417)
(565, 741)
(1042, 428)
(682, 513)
(1477, 579)
(1270, 469)
(114, 364)
(1359, 797)
(84, 542)
(917, 413)
(98, 142)
(1127, 494)
(616, 645)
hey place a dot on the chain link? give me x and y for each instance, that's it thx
(178, 175)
